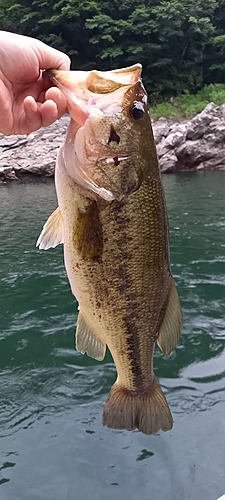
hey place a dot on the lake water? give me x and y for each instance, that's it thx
(52, 443)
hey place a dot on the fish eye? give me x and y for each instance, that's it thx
(137, 111)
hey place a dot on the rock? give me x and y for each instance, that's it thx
(161, 129)
(201, 123)
(162, 149)
(194, 144)
(176, 137)
(168, 163)
(190, 155)
(7, 173)
(33, 154)
(215, 134)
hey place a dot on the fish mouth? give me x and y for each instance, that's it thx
(98, 82)
(72, 85)
(82, 89)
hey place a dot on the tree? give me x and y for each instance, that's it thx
(180, 43)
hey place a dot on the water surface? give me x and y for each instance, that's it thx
(52, 443)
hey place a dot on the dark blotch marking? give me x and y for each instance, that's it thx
(125, 288)
(133, 342)
(120, 216)
(116, 161)
(123, 221)
(114, 137)
(125, 281)
(118, 207)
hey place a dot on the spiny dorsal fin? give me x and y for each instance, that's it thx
(170, 329)
(87, 342)
(52, 232)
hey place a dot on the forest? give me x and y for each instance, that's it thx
(180, 43)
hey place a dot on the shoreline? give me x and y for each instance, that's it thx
(183, 146)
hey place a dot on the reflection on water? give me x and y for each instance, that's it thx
(52, 443)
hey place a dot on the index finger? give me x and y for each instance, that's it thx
(50, 58)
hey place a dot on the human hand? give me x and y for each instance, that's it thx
(27, 100)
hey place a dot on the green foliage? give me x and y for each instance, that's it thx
(187, 105)
(165, 109)
(180, 43)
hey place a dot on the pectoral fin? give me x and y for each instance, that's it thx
(171, 326)
(52, 232)
(87, 234)
(87, 342)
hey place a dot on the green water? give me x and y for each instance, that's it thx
(52, 443)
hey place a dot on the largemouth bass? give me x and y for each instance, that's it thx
(112, 221)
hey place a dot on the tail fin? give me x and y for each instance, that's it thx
(148, 411)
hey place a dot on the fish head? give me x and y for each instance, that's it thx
(107, 145)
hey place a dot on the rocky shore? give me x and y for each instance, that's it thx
(196, 144)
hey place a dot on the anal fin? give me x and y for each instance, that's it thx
(52, 232)
(87, 342)
(171, 326)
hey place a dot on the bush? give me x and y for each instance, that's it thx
(188, 105)
(165, 109)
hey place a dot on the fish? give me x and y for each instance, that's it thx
(112, 221)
